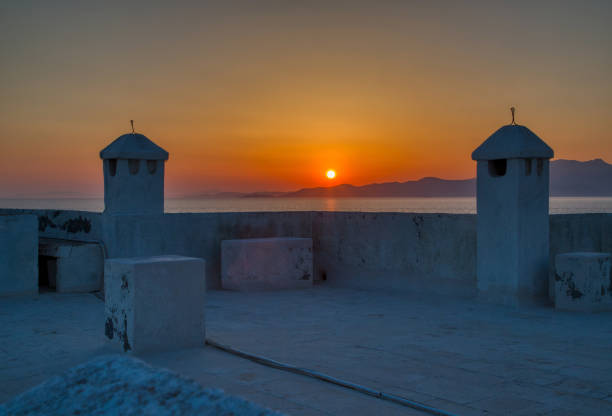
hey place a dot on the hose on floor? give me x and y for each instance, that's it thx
(329, 379)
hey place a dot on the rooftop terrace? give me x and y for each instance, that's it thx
(458, 355)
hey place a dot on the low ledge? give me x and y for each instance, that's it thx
(590, 255)
(583, 282)
(153, 259)
(271, 240)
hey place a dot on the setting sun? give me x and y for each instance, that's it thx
(331, 174)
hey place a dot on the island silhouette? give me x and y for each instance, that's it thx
(591, 178)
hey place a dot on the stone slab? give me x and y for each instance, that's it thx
(266, 263)
(18, 254)
(73, 266)
(583, 282)
(155, 303)
(386, 340)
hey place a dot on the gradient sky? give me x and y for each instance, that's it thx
(267, 95)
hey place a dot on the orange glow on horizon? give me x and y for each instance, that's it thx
(269, 98)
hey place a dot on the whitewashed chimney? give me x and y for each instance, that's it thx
(133, 175)
(513, 221)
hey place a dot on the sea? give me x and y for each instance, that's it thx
(558, 205)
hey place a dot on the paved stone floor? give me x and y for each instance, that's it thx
(461, 356)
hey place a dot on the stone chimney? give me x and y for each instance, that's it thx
(513, 221)
(133, 175)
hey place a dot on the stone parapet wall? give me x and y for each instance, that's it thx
(395, 251)
(64, 224)
(18, 255)
(197, 235)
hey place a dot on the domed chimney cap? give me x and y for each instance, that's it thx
(513, 142)
(133, 146)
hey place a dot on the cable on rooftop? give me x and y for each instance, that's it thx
(329, 379)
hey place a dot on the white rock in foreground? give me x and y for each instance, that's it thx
(123, 385)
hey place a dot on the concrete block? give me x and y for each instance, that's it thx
(73, 266)
(266, 263)
(155, 303)
(574, 233)
(18, 254)
(583, 282)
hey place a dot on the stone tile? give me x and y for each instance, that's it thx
(457, 409)
(458, 355)
(288, 407)
(296, 386)
(581, 387)
(587, 373)
(505, 404)
(537, 377)
(578, 406)
(347, 402)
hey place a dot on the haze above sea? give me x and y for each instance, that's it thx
(558, 205)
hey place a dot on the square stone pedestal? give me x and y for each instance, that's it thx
(72, 266)
(155, 303)
(583, 282)
(266, 263)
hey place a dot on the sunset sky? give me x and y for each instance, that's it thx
(269, 95)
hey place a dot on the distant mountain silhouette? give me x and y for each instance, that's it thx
(426, 187)
(567, 178)
(573, 178)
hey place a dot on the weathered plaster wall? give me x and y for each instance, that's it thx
(127, 192)
(431, 252)
(18, 255)
(396, 251)
(513, 228)
(78, 225)
(197, 235)
(577, 232)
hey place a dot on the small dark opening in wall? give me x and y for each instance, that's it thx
(151, 166)
(133, 165)
(47, 271)
(527, 167)
(112, 167)
(540, 166)
(323, 275)
(497, 167)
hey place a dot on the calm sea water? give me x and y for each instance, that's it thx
(558, 205)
